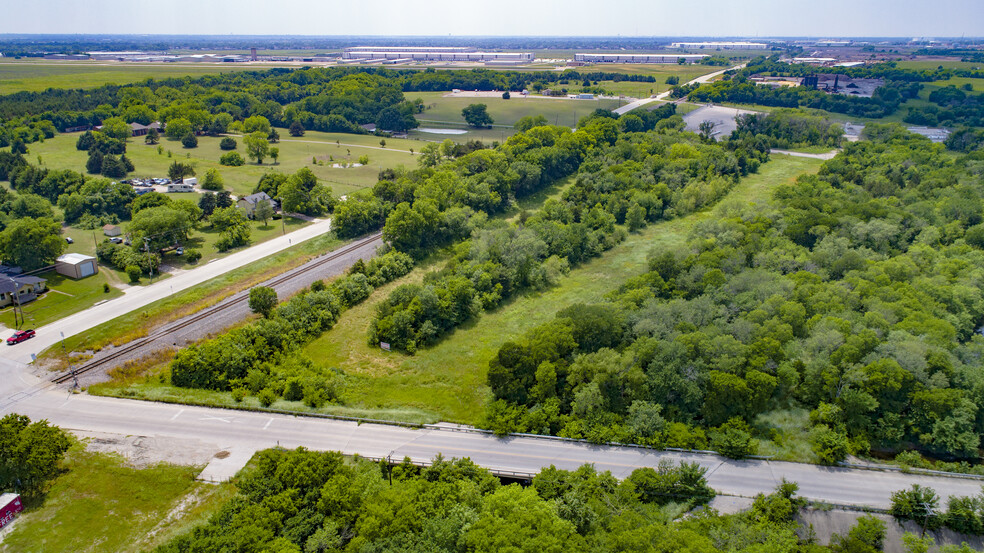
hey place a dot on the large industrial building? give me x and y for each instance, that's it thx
(638, 58)
(412, 53)
(720, 45)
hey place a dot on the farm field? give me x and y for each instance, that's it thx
(933, 64)
(101, 505)
(150, 161)
(35, 76)
(561, 111)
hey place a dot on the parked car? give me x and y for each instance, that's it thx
(20, 336)
(69, 240)
(116, 240)
(179, 251)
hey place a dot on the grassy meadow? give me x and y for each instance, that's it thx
(446, 382)
(152, 161)
(39, 75)
(448, 379)
(101, 505)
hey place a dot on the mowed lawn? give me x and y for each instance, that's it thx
(39, 75)
(60, 153)
(559, 111)
(448, 379)
(64, 296)
(99, 505)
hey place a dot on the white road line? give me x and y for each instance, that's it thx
(267, 425)
(177, 414)
(211, 418)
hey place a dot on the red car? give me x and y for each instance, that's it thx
(20, 336)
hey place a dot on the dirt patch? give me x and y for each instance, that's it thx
(222, 455)
(144, 451)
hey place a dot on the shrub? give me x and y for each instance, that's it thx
(918, 503)
(189, 140)
(106, 287)
(267, 397)
(228, 143)
(193, 255)
(830, 446)
(232, 159)
(238, 394)
(134, 273)
(733, 439)
(213, 180)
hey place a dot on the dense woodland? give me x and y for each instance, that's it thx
(900, 85)
(855, 294)
(334, 99)
(302, 501)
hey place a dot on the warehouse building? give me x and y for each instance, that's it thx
(720, 45)
(76, 265)
(638, 58)
(435, 54)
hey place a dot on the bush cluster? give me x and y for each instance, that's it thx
(253, 357)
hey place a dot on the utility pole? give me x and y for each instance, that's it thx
(147, 250)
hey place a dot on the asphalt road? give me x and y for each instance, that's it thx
(244, 432)
(177, 334)
(137, 297)
(664, 95)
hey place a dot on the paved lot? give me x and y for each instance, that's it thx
(722, 117)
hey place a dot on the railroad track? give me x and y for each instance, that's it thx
(205, 313)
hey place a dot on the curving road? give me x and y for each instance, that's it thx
(664, 95)
(243, 432)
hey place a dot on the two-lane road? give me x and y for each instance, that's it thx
(664, 95)
(245, 432)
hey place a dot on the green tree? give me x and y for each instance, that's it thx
(257, 123)
(257, 146)
(527, 122)
(263, 211)
(152, 137)
(30, 454)
(134, 272)
(31, 243)
(213, 180)
(733, 439)
(477, 115)
(189, 140)
(867, 536)
(227, 143)
(296, 129)
(177, 171)
(274, 154)
(162, 226)
(177, 128)
(206, 203)
(515, 519)
(273, 136)
(117, 128)
(231, 159)
(262, 300)
(830, 446)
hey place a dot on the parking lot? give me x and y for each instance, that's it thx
(722, 117)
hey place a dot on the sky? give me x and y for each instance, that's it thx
(748, 18)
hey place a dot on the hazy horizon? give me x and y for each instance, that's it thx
(549, 18)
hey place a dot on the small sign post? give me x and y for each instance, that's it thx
(384, 346)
